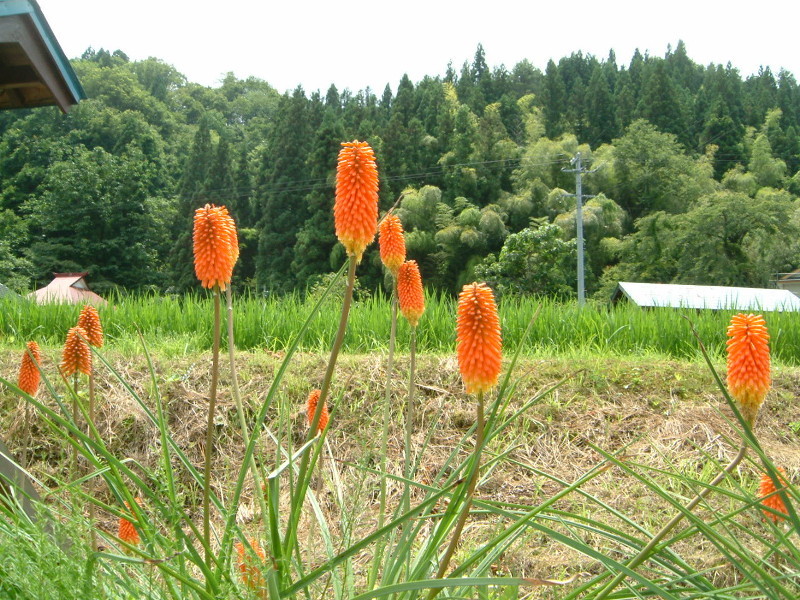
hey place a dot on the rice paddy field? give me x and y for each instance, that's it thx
(183, 325)
(606, 424)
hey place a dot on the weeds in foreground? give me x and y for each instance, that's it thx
(306, 541)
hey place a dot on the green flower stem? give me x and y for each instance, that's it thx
(212, 404)
(240, 409)
(303, 477)
(462, 517)
(387, 416)
(92, 509)
(645, 552)
(409, 420)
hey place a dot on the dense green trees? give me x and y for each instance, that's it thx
(695, 174)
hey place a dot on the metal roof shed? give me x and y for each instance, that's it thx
(710, 297)
(67, 288)
(33, 69)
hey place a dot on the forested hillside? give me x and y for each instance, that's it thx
(696, 174)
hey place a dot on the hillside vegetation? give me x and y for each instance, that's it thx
(696, 182)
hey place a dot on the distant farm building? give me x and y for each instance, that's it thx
(710, 297)
(66, 288)
(789, 281)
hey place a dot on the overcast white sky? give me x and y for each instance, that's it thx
(358, 44)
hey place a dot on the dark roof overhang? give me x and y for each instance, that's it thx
(33, 69)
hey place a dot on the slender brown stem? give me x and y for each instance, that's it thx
(240, 409)
(409, 420)
(462, 517)
(645, 552)
(74, 462)
(91, 428)
(212, 403)
(302, 474)
(387, 416)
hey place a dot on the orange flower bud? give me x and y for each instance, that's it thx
(216, 246)
(76, 355)
(126, 531)
(90, 321)
(409, 292)
(478, 339)
(392, 243)
(29, 375)
(248, 566)
(770, 499)
(311, 409)
(355, 211)
(748, 363)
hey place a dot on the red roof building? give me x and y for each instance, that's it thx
(67, 288)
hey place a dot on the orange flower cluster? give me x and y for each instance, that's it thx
(409, 292)
(90, 321)
(748, 363)
(478, 341)
(216, 246)
(248, 567)
(392, 243)
(126, 531)
(766, 487)
(355, 211)
(29, 375)
(311, 409)
(76, 356)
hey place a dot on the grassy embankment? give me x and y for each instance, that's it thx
(634, 385)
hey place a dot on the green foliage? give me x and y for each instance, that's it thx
(659, 133)
(534, 261)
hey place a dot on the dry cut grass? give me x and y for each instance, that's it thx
(657, 414)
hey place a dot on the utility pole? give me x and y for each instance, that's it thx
(579, 171)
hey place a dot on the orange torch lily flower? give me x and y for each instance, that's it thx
(29, 376)
(392, 243)
(311, 409)
(409, 292)
(126, 531)
(90, 321)
(769, 499)
(76, 356)
(248, 566)
(355, 211)
(478, 340)
(748, 363)
(216, 246)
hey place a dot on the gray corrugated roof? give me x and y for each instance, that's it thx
(713, 297)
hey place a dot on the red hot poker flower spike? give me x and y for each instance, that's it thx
(392, 243)
(90, 321)
(478, 340)
(126, 530)
(216, 246)
(29, 376)
(767, 488)
(410, 296)
(748, 363)
(248, 567)
(76, 356)
(311, 409)
(355, 211)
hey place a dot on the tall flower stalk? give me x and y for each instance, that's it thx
(76, 357)
(479, 348)
(216, 250)
(392, 244)
(748, 381)
(412, 304)
(355, 214)
(28, 381)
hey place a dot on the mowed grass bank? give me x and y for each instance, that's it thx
(182, 325)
